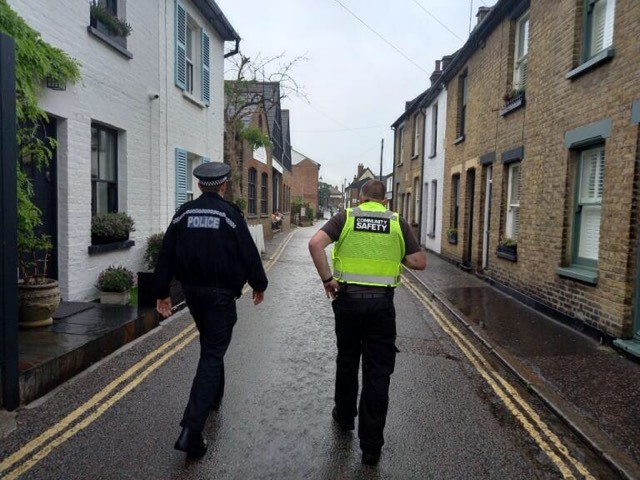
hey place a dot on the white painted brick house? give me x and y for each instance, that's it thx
(147, 110)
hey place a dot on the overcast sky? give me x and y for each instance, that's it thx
(357, 77)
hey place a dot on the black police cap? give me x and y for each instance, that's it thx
(212, 173)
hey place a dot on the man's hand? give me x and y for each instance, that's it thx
(331, 288)
(163, 306)
(257, 297)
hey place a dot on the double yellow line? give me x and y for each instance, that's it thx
(537, 429)
(41, 446)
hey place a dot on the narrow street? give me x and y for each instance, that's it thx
(446, 418)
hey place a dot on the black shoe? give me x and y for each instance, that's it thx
(345, 426)
(191, 442)
(370, 458)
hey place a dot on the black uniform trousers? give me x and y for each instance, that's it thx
(365, 326)
(214, 312)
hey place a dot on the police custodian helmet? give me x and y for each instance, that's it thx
(211, 174)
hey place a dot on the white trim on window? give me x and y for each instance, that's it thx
(512, 226)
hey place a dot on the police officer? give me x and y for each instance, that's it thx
(208, 248)
(372, 243)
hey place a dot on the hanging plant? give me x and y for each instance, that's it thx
(35, 61)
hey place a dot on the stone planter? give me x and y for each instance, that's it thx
(115, 298)
(36, 303)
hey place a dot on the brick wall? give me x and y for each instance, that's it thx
(305, 183)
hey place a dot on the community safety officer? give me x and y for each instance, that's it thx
(208, 248)
(372, 243)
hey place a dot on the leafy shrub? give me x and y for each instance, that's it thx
(154, 243)
(115, 279)
(117, 225)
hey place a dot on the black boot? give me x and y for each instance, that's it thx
(191, 442)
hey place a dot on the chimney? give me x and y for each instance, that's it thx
(360, 169)
(436, 73)
(482, 13)
(446, 60)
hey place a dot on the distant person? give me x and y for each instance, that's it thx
(372, 243)
(208, 248)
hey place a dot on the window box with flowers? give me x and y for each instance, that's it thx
(105, 24)
(452, 236)
(513, 100)
(110, 231)
(508, 249)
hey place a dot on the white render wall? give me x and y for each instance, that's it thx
(433, 170)
(115, 91)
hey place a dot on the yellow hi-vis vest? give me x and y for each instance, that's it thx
(370, 248)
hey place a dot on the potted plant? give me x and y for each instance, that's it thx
(508, 249)
(452, 236)
(111, 228)
(146, 285)
(115, 283)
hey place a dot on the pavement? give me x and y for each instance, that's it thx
(590, 385)
(583, 379)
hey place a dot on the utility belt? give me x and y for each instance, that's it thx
(210, 289)
(350, 290)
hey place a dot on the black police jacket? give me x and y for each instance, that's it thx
(208, 244)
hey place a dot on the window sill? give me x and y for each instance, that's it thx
(193, 100)
(109, 41)
(110, 247)
(600, 58)
(583, 274)
(458, 140)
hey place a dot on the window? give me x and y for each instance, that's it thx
(462, 105)
(192, 73)
(434, 130)
(111, 6)
(252, 210)
(400, 145)
(434, 206)
(589, 206)
(407, 208)
(599, 26)
(416, 135)
(513, 202)
(521, 53)
(263, 194)
(416, 199)
(455, 200)
(185, 164)
(104, 170)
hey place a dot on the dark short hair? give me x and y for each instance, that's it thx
(373, 190)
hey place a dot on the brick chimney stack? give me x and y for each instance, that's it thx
(482, 13)
(436, 73)
(360, 169)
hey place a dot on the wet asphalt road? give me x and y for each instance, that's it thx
(275, 420)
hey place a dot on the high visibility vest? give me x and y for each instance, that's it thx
(370, 248)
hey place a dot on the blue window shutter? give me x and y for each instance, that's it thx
(205, 68)
(181, 46)
(205, 159)
(181, 177)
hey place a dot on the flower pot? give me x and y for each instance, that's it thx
(508, 252)
(115, 298)
(36, 303)
(103, 240)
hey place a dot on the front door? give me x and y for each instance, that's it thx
(471, 187)
(45, 187)
(487, 216)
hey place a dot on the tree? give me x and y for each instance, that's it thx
(36, 61)
(244, 96)
(324, 192)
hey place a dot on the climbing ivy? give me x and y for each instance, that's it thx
(36, 61)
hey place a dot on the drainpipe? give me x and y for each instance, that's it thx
(234, 51)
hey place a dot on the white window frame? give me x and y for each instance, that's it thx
(434, 207)
(434, 130)
(512, 225)
(400, 145)
(600, 16)
(521, 52)
(416, 135)
(590, 186)
(416, 199)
